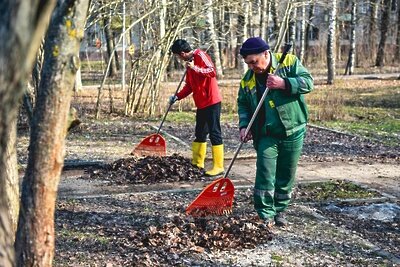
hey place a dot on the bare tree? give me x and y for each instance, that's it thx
(352, 50)
(302, 46)
(331, 43)
(111, 52)
(213, 37)
(373, 27)
(12, 185)
(283, 26)
(100, 90)
(24, 23)
(397, 55)
(255, 18)
(275, 18)
(242, 35)
(35, 236)
(308, 31)
(291, 33)
(264, 19)
(385, 21)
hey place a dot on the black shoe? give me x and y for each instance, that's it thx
(280, 220)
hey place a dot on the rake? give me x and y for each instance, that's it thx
(154, 144)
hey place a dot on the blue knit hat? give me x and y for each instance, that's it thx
(253, 45)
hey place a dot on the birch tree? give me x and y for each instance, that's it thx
(35, 235)
(352, 50)
(302, 32)
(292, 27)
(331, 43)
(283, 26)
(264, 8)
(213, 37)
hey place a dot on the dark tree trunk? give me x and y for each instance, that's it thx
(307, 34)
(352, 51)
(35, 236)
(385, 21)
(397, 56)
(110, 46)
(22, 25)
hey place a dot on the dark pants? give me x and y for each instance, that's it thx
(208, 122)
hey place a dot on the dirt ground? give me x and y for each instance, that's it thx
(102, 224)
(326, 155)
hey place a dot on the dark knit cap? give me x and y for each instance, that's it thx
(253, 45)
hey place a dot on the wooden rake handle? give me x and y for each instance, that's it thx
(260, 103)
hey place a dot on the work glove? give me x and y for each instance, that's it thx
(172, 99)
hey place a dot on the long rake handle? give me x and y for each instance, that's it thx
(260, 103)
(170, 104)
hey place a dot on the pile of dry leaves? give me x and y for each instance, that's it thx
(148, 170)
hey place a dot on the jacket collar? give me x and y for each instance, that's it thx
(274, 62)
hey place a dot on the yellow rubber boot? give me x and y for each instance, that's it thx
(199, 154)
(218, 161)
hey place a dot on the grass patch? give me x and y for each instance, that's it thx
(369, 108)
(333, 189)
(77, 235)
(277, 258)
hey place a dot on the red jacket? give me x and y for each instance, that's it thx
(201, 81)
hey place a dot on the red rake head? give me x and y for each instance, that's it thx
(152, 145)
(215, 199)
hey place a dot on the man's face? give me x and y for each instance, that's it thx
(258, 62)
(183, 56)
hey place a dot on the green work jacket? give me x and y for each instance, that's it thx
(285, 111)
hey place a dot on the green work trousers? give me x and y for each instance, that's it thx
(277, 160)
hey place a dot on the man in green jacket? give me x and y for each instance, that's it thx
(279, 128)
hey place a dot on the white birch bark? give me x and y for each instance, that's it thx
(331, 43)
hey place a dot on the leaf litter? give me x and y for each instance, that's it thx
(152, 229)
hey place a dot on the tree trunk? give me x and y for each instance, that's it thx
(275, 15)
(331, 43)
(264, 20)
(283, 27)
(308, 31)
(12, 185)
(242, 32)
(24, 23)
(255, 18)
(352, 51)
(373, 27)
(35, 236)
(302, 33)
(397, 55)
(78, 81)
(292, 28)
(110, 46)
(385, 21)
(213, 38)
(232, 42)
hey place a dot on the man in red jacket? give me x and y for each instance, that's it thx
(201, 81)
